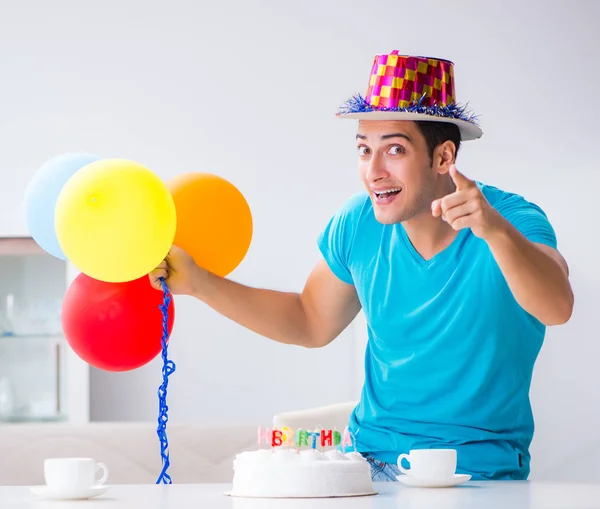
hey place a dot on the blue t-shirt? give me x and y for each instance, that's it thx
(450, 352)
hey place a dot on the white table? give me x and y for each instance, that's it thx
(472, 495)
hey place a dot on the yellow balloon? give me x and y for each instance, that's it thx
(115, 220)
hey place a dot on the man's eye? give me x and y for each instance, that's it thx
(397, 149)
(362, 151)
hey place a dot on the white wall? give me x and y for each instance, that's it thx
(248, 90)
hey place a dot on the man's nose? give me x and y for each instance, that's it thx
(376, 169)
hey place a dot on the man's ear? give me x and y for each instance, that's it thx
(444, 156)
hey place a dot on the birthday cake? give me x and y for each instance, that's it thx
(302, 464)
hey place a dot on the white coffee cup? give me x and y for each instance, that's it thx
(73, 473)
(429, 463)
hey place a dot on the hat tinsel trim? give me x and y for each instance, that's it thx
(358, 104)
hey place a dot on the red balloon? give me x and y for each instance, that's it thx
(114, 326)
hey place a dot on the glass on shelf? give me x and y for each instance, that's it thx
(6, 398)
(30, 316)
(32, 347)
(30, 378)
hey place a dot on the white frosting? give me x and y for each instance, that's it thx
(355, 456)
(285, 455)
(334, 454)
(311, 455)
(309, 473)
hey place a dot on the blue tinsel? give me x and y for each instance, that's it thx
(358, 104)
(168, 368)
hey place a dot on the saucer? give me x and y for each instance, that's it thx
(69, 494)
(455, 480)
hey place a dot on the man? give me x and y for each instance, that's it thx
(458, 281)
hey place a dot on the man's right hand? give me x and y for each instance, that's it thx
(179, 271)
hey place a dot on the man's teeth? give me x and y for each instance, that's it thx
(389, 191)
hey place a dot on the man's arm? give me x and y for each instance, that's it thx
(313, 318)
(537, 275)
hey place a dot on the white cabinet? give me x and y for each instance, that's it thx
(41, 379)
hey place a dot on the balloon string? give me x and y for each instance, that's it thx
(168, 368)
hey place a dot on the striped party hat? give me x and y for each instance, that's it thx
(404, 87)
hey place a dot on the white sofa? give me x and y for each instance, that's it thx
(132, 451)
(198, 453)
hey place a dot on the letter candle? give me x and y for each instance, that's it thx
(276, 440)
(346, 439)
(326, 438)
(302, 438)
(264, 435)
(287, 436)
(337, 438)
(314, 435)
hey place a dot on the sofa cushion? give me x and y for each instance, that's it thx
(130, 450)
(334, 416)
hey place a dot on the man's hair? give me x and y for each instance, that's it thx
(436, 133)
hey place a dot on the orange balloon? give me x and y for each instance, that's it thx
(214, 221)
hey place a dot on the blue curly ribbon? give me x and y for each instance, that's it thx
(358, 104)
(168, 369)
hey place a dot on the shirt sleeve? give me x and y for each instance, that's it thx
(529, 219)
(335, 240)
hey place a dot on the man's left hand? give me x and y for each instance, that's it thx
(467, 208)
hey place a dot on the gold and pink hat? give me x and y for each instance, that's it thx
(403, 87)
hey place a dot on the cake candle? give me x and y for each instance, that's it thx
(346, 439)
(302, 438)
(326, 438)
(337, 438)
(314, 435)
(264, 435)
(287, 434)
(276, 440)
